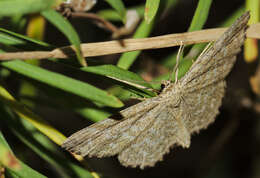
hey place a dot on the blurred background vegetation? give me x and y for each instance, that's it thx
(41, 101)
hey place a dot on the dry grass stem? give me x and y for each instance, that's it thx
(113, 47)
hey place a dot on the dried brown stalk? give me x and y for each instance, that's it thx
(113, 47)
(116, 32)
(104, 23)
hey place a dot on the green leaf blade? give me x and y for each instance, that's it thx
(119, 6)
(151, 8)
(20, 169)
(67, 29)
(201, 15)
(128, 58)
(112, 71)
(11, 7)
(65, 83)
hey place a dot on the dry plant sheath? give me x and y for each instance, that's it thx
(150, 128)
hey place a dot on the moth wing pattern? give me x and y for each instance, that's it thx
(117, 138)
(108, 137)
(202, 106)
(166, 131)
(78, 139)
(216, 62)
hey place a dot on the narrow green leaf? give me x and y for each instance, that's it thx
(201, 15)
(151, 8)
(144, 29)
(128, 93)
(67, 29)
(128, 58)
(138, 85)
(114, 72)
(254, 7)
(198, 21)
(112, 15)
(64, 101)
(11, 38)
(41, 145)
(12, 164)
(26, 114)
(109, 14)
(93, 114)
(62, 82)
(12, 7)
(171, 3)
(251, 49)
(119, 6)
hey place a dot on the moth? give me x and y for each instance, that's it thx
(150, 128)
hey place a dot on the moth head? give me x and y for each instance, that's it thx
(165, 85)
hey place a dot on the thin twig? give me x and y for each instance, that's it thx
(113, 47)
(104, 23)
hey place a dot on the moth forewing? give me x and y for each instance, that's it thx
(211, 64)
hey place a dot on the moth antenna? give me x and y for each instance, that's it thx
(205, 49)
(176, 67)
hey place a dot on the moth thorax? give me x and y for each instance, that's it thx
(172, 88)
(81, 5)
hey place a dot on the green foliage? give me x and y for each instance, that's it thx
(66, 28)
(200, 16)
(151, 8)
(15, 167)
(128, 58)
(13, 7)
(118, 5)
(64, 83)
